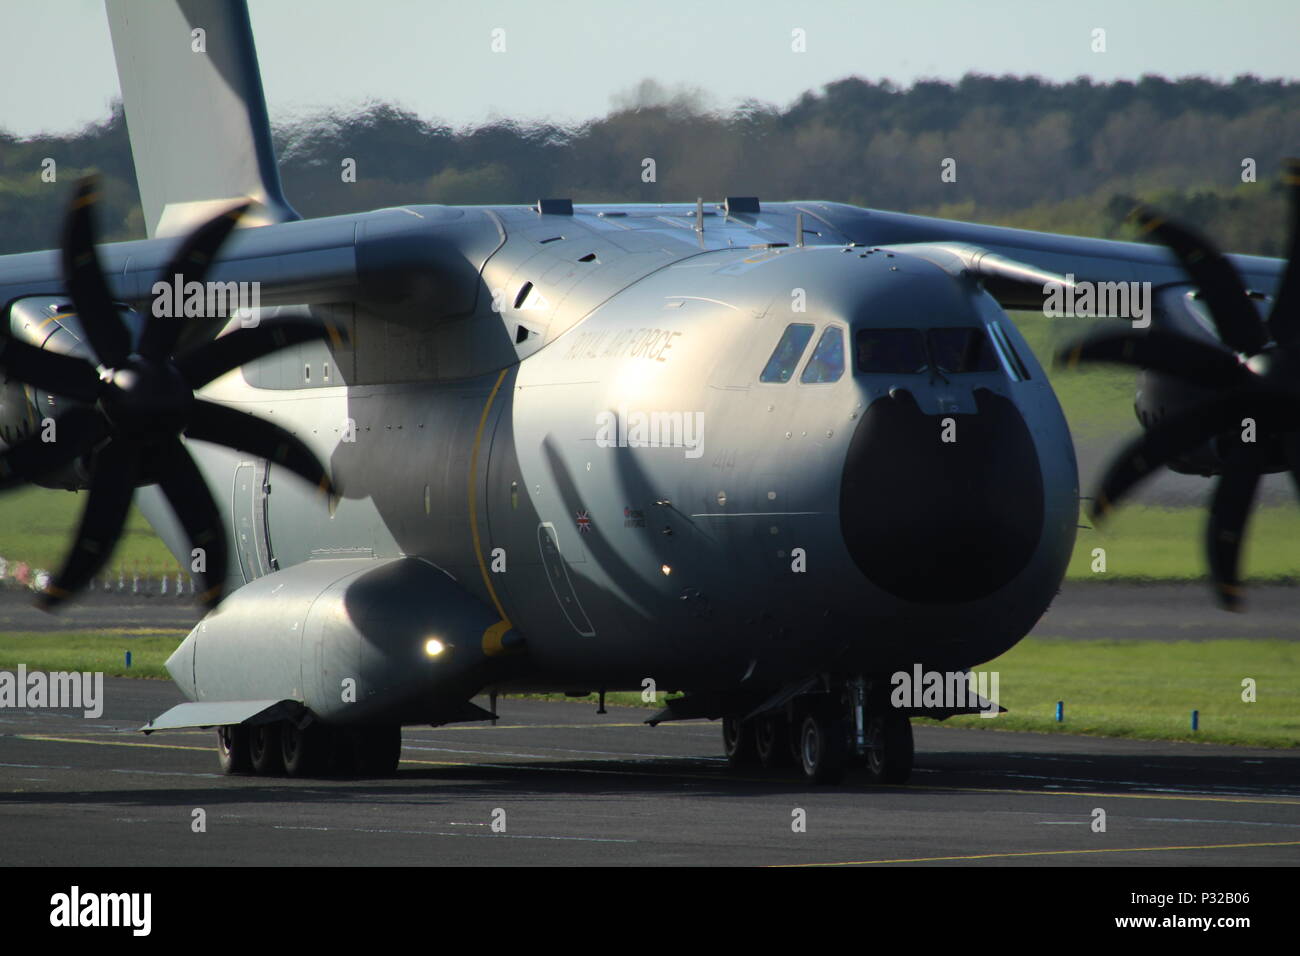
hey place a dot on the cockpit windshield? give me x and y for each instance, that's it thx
(891, 350)
(912, 351)
(962, 350)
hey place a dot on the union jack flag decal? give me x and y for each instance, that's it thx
(584, 522)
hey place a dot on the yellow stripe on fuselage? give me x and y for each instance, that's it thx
(490, 646)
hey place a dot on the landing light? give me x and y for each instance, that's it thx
(434, 647)
(666, 570)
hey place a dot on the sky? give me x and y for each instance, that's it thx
(570, 60)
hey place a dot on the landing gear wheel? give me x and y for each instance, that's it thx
(821, 749)
(772, 741)
(232, 749)
(378, 750)
(304, 750)
(264, 750)
(889, 748)
(738, 742)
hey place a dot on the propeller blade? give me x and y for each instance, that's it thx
(188, 493)
(85, 281)
(49, 371)
(1235, 318)
(191, 263)
(75, 431)
(214, 359)
(1166, 352)
(1234, 496)
(112, 486)
(1284, 320)
(1160, 445)
(248, 433)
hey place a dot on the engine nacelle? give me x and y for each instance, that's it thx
(18, 417)
(1159, 396)
(35, 321)
(356, 641)
(47, 322)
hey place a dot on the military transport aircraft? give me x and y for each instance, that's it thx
(764, 454)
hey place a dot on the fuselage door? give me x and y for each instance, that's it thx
(249, 515)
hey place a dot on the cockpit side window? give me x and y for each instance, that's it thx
(786, 355)
(891, 350)
(827, 362)
(962, 350)
(1015, 366)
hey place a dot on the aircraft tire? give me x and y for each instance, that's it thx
(738, 742)
(890, 748)
(304, 750)
(264, 750)
(772, 741)
(821, 748)
(232, 749)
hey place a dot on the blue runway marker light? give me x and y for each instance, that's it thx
(1060, 711)
(128, 658)
(1196, 719)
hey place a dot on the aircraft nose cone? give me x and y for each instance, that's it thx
(181, 666)
(940, 522)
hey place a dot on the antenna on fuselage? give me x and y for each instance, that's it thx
(699, 219)
(798, 230)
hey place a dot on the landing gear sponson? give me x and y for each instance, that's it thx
(309, 748)
(824, 726)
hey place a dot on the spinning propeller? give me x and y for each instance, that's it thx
(1254, 374)
(125, 418)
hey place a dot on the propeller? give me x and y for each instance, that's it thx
(127, 417)
(1254, 374)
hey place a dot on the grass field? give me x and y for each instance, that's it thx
(1096, 399)
(1143, 689)
(1168, 543)
(100, 650)
(37, 525)
(1148, 689)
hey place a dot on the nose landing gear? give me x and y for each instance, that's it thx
(822, 748)
(889, 748)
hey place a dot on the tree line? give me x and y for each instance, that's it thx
(1062, 157)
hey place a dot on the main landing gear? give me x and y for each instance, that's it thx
(825, 732)
(286, 748)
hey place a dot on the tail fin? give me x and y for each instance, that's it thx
(195, 111)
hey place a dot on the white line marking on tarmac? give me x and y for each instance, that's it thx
(616, 754)
(165, 773)
(1241, 823)
(480, 753)
(511, 836)
(619, 753)
(1223, 790)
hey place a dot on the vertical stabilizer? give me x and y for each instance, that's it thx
(195, 111)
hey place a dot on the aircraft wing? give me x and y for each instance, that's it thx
(1094, 260)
